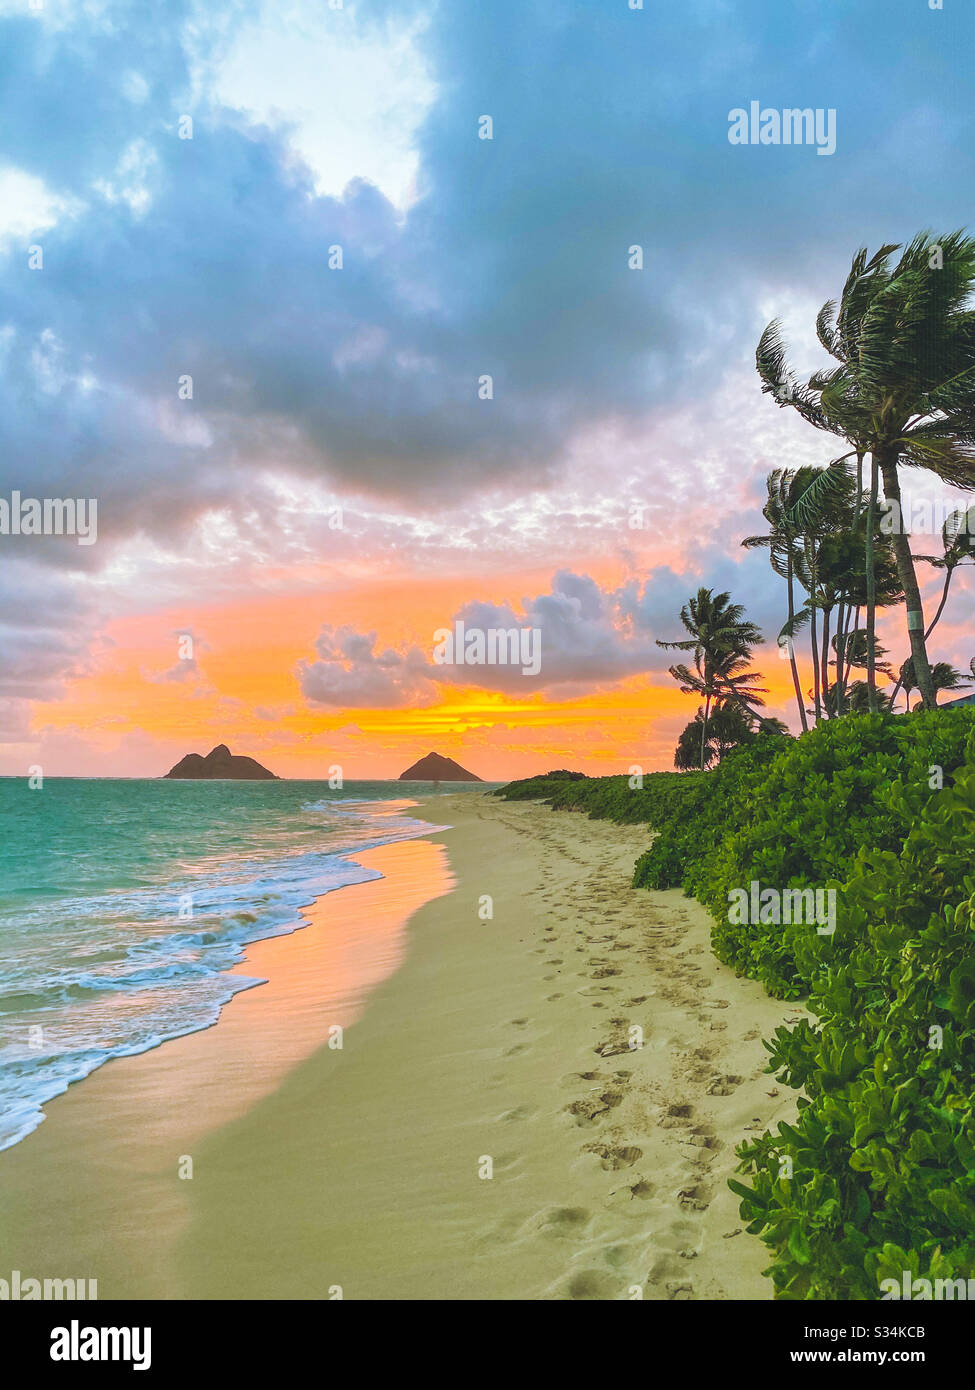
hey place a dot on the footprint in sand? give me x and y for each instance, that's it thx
(642, 1189)
(560, 1221)
(590, 1109)
(675, 1115)
(616, 1256)
(678, 1292)
(615, 1156)
(693, 1199)
(593, 1283)
(589, 1284)
(668, 1274)
(703, 1138)
(724, 1085)
(520, 1112)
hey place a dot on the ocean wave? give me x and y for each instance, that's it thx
(121, 972)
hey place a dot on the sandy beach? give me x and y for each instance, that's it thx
(538, 1104)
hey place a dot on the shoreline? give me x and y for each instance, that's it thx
(111, 1143)
(501, 1040)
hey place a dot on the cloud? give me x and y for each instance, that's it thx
(589, 639)
(186, 670)
(14, 721)
(210, 257)
(351, 675)
(46, 631)
(581, 641)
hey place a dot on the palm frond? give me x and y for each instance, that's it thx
(828, 482)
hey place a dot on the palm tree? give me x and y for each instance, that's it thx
(807, 527)
(687, 754)
(843, 586)
(826, 566)
(904, 337)
(727, 729)
(958, 539)
(855, 698)
(721, 640)
(781, 542)
(840, 413)
(943, 675)
(827, 558)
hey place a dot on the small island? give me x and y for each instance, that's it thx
(435, 768)
(218, 765)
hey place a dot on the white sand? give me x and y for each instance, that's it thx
(499, 1045)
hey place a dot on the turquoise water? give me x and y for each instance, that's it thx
(124, 903)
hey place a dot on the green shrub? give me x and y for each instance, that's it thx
(796, 819)
(696, 823)
(883, 1150)
(608, 798)
(533, 788)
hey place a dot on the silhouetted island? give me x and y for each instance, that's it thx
(434, 768)
(220, 763)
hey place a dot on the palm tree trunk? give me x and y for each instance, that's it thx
(933, 624)
(846, 609)
(841, 616)
(792, 650)
(704, 727)
(872, 587)
(827, 613)
(851, 621)
(887, 460)
(814, 631)
(949, 571)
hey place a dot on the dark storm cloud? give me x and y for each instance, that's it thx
(610, 130)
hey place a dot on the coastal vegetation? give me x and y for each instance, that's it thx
(871, 805)
(720, 640)
(902, 334)
(900, 395)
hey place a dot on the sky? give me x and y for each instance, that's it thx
(340, 372)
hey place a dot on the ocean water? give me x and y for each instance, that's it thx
(124, 903)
